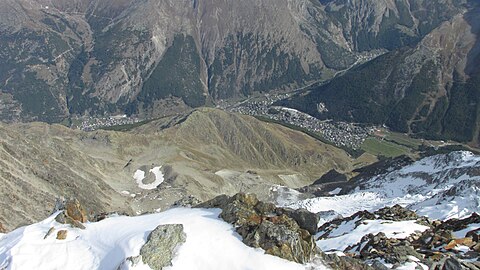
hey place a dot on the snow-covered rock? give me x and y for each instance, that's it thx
(210, 243)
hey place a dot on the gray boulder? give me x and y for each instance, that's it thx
(160, 247)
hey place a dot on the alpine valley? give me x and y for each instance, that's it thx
(253, 134)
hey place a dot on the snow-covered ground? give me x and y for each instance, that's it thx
(348, 234)
(139, 176)
(439, 187)
(211, 244)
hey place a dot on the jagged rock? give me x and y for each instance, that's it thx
(305, 219)
(467, 241)
(262, 225)
(459, 224)
(2, 229)
(379, 246)
(359, 217)
(475, 235)
(188, 201)
(62, 234)
(50, 231)
(73, 213)
(345, 263)
(448, 264)
(160, 247)
(130, 262)
(434, 238)
(76, 211)
(396, 213)
(64, 219)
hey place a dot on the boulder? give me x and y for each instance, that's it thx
(161, 245)
(449, 263)
(263, 225)
(76, 211)
(393, 251)
(475, 235)
(305, 219)
(62, 234)
(396, 213)
(64, 219)
(336, 262)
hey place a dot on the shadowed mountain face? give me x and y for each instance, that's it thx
(71, 57)
(207, 153)
(431, 89)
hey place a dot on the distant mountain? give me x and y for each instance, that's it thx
(60, 57)
(430, 89)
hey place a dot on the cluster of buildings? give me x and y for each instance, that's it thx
(92, 123)
(341, 134)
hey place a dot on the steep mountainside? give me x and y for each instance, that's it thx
(430, 89)
(153, 167)
(70, 57)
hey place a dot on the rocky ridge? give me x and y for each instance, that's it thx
(41, 162)
(445, 242)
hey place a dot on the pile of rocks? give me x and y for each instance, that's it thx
(437, 247)
(280, 232)
(72, 213)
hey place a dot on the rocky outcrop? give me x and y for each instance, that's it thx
(72, 212)
(262, 225)
(396, 213)
(445, 245)
(161, 245)
(392, 251)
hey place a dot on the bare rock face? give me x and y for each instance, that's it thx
(160, 247)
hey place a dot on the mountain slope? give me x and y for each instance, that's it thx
(429, 90)
(199, 157)
(88, 56)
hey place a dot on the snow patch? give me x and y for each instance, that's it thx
(345, 236)
(139, 175)
(335, 191)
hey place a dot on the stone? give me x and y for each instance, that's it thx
(475, 235)
(379, 246)
(282, 238)
(50, 231)
(467, 241)
(161, 245)
(344, 263)
(62, 234)
(217, 202)
(449, 264)
(76, 211)
(305, 219)
(396, 213)
(263, 225)
(64, 219)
